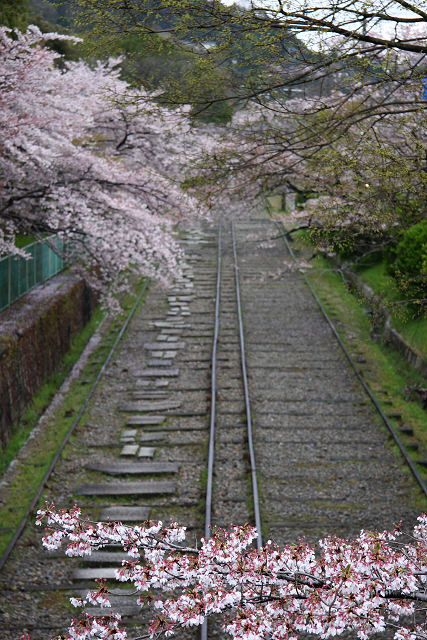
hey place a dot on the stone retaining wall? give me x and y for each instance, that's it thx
(390, 334)
(35, 333)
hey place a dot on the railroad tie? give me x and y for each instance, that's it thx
(161, 405)
(125, 514)
(126, 488)
(135, 468)
(157, 373)
(146, 420)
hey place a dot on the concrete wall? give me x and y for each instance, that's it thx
(35, 333)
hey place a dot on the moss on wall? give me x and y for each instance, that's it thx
(35, 334)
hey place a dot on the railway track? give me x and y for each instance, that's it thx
(228, 400)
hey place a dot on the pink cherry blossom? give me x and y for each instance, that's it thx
(363, 585)
(81, 160)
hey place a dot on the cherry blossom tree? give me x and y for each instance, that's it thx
(366, 585)
(327, 96)
(73, 164)
(359, 150)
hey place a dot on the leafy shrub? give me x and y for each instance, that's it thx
(406, 257)
(407, 262)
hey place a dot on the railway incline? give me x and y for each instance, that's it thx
(315, 451)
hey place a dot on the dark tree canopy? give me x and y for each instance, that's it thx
(14, 14)
(266, 48)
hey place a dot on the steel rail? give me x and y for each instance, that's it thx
(366, 387)
(55, 459)
(211, 450)
(247, 400)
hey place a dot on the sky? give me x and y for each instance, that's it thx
(382, 27)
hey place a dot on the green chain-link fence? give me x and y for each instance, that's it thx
(19, 275)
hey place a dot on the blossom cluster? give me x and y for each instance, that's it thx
(79, 159)
(351, 141)
(362, 585)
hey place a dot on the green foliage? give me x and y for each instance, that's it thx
(399, 243)
(389, 255)
(407, 257)
(406, 261)
(23, 239)
(14, 14)
(219, 52)
(150, 60)
(219, 112)
(349, 245)
(57, 14)
(158, 64)
(301, 197)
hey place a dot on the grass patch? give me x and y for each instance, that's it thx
(383, 369)
(30, 472)
(23, 239)
(408, 321)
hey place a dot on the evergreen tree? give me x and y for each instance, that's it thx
(14, 14)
